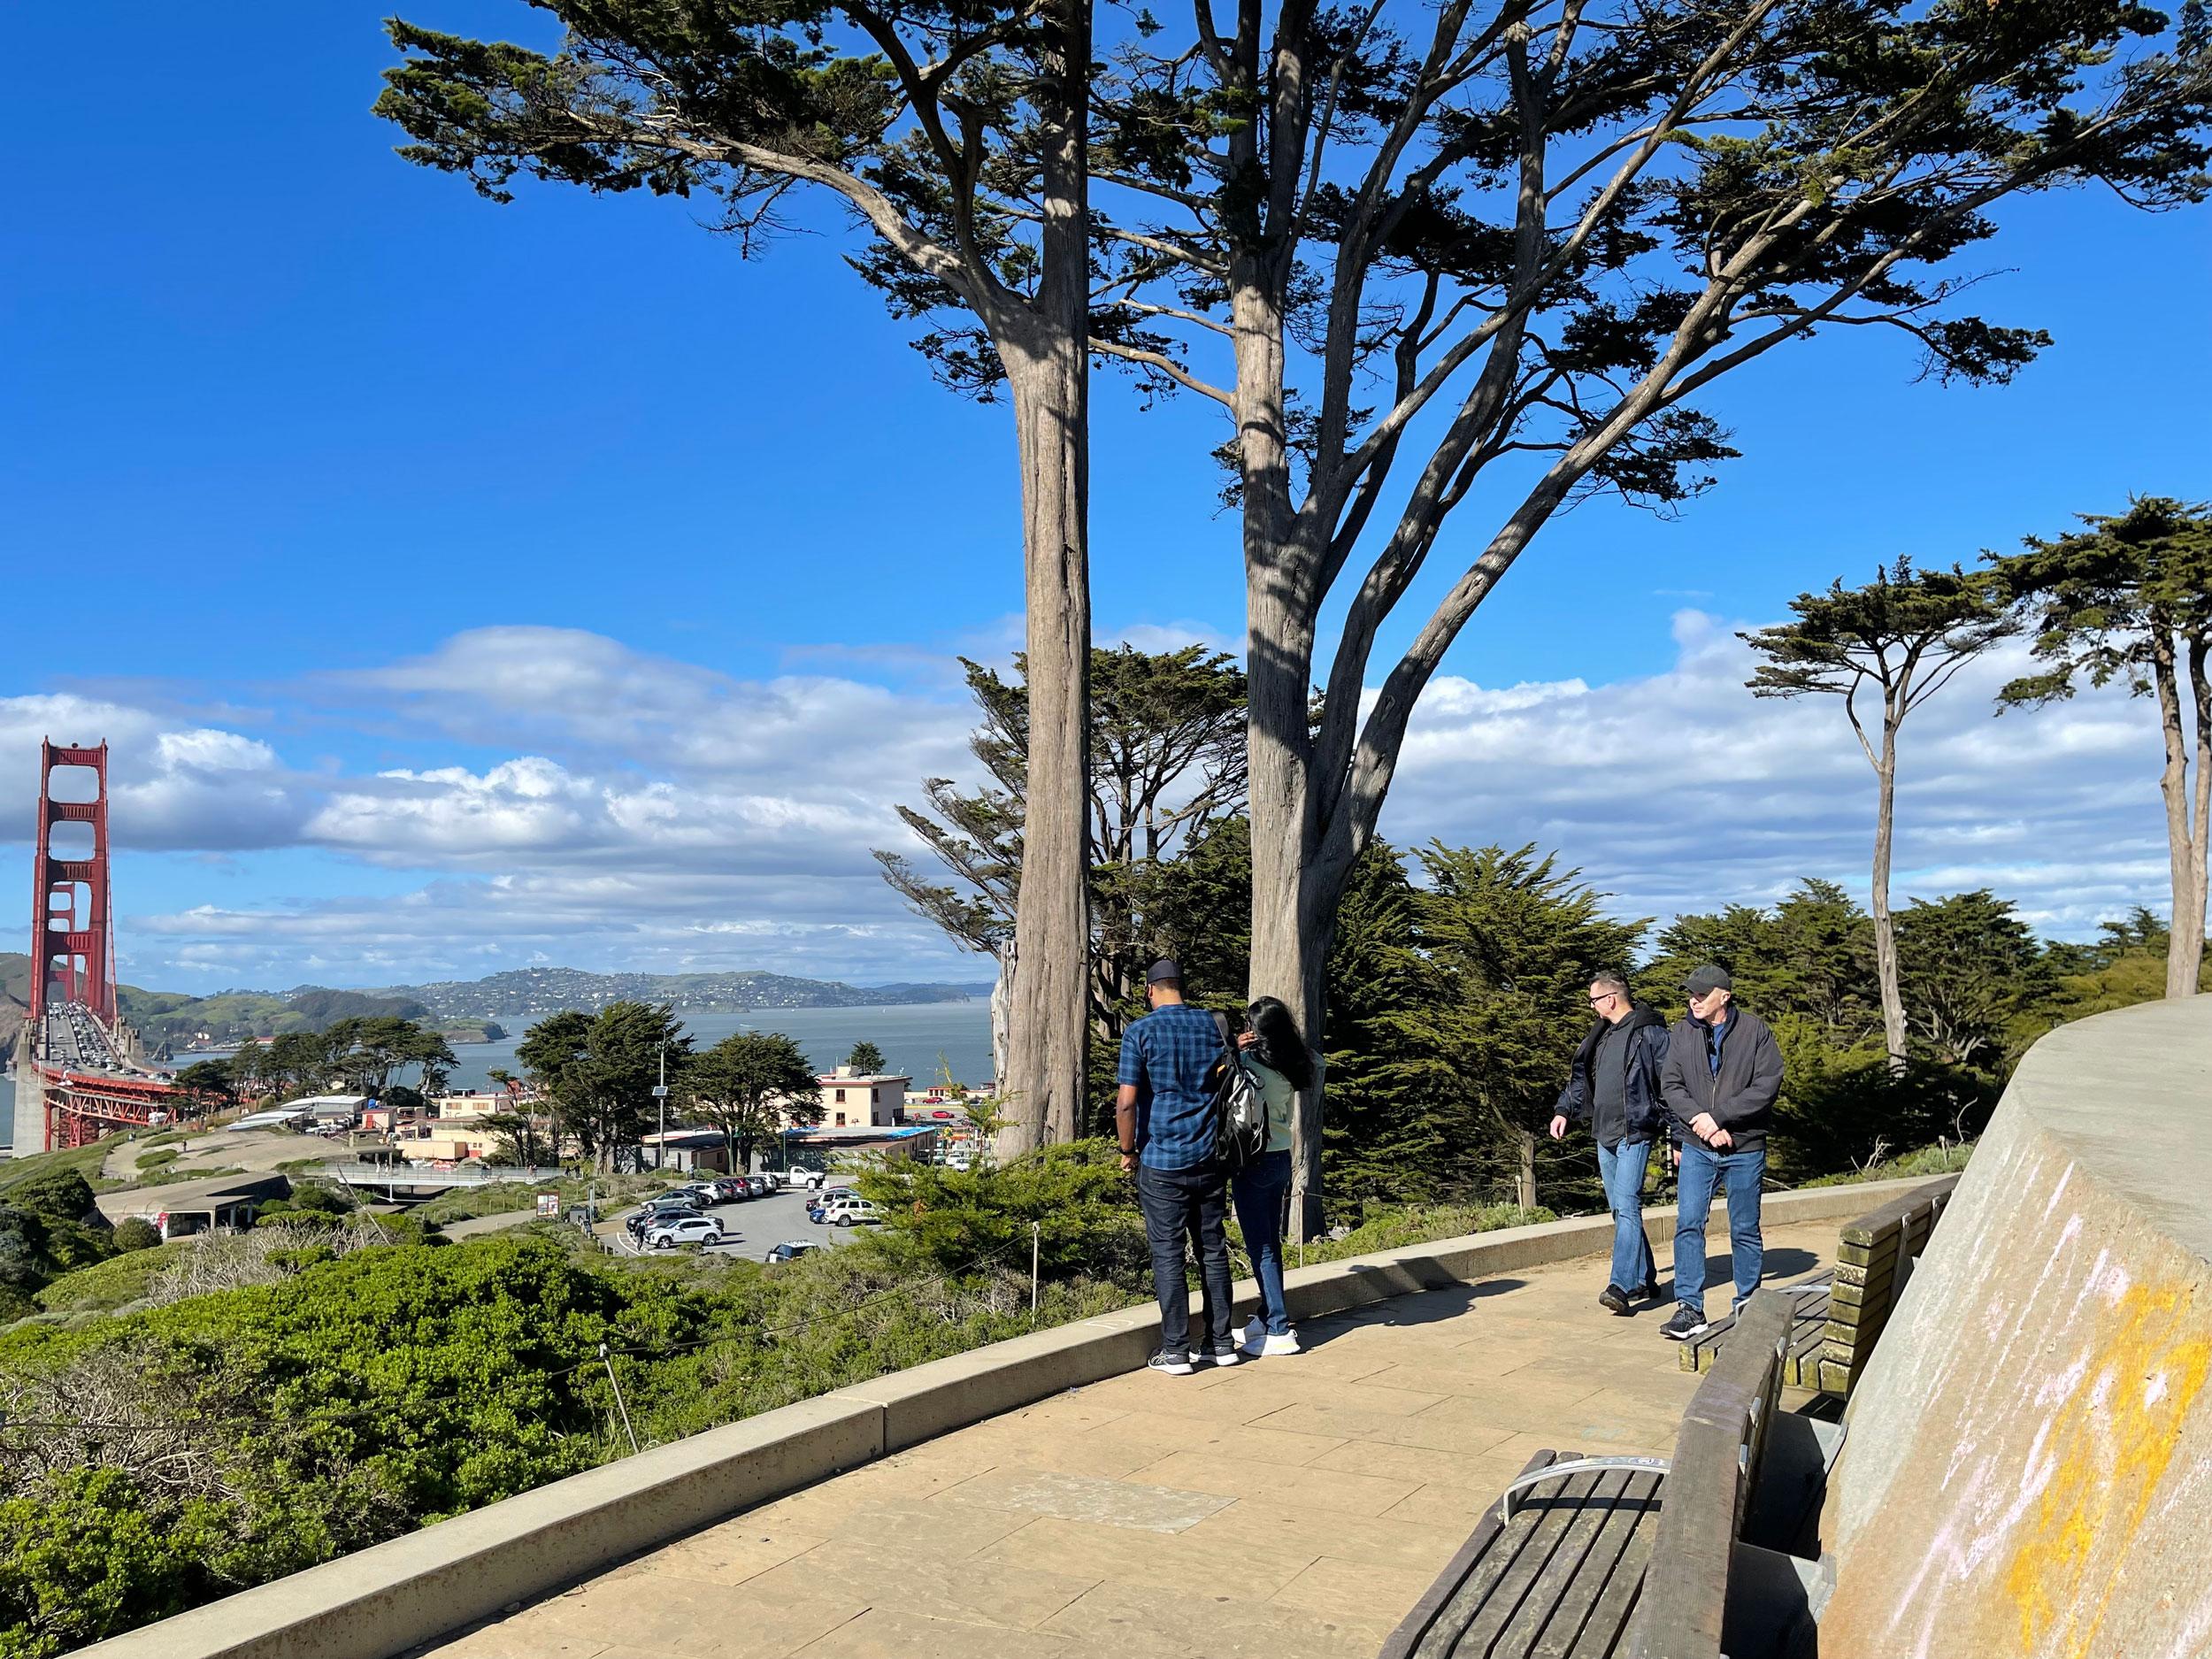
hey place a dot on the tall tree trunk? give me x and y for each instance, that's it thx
(1046, 353)
(1884, 925)
(2185, 954)
(1526, 1183)
(2184, 854)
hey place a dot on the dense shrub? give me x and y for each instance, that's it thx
(135, 1232)
(1085, 1207)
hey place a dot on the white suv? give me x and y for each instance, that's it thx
(848, 1212)
(667, 1235)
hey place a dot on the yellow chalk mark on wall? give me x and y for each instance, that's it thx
(2113, 1437)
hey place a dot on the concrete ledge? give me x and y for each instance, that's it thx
(381, 1601)
(378, 1600)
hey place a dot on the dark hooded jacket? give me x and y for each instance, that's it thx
(1739, 1096)
(1645, 1034)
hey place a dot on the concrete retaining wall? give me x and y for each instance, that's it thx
(2028, 1465)
(381, 1601)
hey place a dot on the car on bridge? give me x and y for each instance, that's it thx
(683, 1230)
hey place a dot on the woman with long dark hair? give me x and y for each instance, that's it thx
(1277, 1054)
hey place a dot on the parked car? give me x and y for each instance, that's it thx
(813, 1180)
(859, 1213)
(761, 1185)
(821, 1202)
(684, 1230)
(731, 1190)
(792, 1250)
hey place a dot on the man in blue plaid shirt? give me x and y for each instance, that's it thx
(1164, 1114)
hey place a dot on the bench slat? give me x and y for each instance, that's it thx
(1552, 1512)
(1544, 1603)
(1593, 1610)
(1476, 1563)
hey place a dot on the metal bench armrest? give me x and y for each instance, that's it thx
(1552, 1471)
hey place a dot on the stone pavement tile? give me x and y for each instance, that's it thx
(1079, 1498)
(682, 1616)
(1126, 1555)
(1066, 1448)
(884, 1572)
(1562, 1438)
(1357, 1593)
(1473, 1370)
(887, 1633)
(1134, 1618)
(1332, 1489)
(1156, 1434)
(1443, 1434)
(1421, 1464)
(945, 1527)
(728, 1553)
(517, 1637)
(1457, 1504)
(1507, 1404)
(1283, 1530)
(820, 1509)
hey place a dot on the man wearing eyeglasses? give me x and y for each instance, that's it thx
(1614, 1087)
(1722, 1073)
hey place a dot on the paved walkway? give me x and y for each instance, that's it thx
(1291, 1509)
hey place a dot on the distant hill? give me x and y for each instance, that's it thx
(538, 991)
(467, 1008)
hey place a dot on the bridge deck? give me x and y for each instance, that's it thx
(1292, 1509)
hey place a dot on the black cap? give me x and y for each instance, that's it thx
(1707, 979)
(1165, 968)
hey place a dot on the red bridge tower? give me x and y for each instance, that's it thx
(73, 937)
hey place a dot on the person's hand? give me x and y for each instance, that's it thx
(1128, 1164)
(1246, 1039)
(1723, 1140)
(1558, 1125)
(1676, 1152)
(1704, 1127)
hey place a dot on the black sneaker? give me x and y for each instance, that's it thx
(1687, 1322)
(1613, 1299)
(1170, 1364)
(1647, 1293)
(1212, 1355)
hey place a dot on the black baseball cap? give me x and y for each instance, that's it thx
(1165, 968)
(1707, 979)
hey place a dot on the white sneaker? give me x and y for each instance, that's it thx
(1276, 1347)
(1226, 1357)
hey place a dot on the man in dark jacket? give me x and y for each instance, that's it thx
(1613, 1086)
(1718, 1081)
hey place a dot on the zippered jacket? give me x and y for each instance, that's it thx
(1645, 1035)
(1740, 1096)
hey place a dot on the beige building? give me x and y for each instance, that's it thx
(853, 1099)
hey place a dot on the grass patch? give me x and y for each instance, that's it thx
(165, 1175)
(1946, 1157)
(107, 1286)
(155, 1160)
(86, 1161)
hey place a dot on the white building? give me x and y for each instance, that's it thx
(852, 1099)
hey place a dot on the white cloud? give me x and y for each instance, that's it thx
(645, 812)
(1682, 791)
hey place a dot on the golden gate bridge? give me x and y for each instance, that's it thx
(79, 1073)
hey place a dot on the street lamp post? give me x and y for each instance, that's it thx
(660, 1093)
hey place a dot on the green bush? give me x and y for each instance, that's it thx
(155, 1160)
(110, 1284)
(135, 1232)
(1085, 1206)
(1945, 1159)
(63, 1194)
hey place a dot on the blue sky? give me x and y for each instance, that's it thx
(316, 448)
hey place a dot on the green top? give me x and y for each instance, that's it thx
(1280, 1098)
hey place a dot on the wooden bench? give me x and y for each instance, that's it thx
(1744, 1491)
(1576, 1555)
(1840, 1313)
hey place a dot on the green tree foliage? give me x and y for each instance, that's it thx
(2129, 599)
(1518, 941)
(1167, 769)
(1896, 642)
(745, 1084)
(597, 1072)
(135, 1232)
(867, 1059)
(1971, 968)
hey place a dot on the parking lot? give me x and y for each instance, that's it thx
(757, 1226)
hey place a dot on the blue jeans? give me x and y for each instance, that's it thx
(1258, 1188)
(1180, 1204)
(1704, 1172)
(1622, 1169)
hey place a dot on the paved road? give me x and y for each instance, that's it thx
(754, 1228)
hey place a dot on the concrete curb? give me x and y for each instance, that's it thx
(383, 1599)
